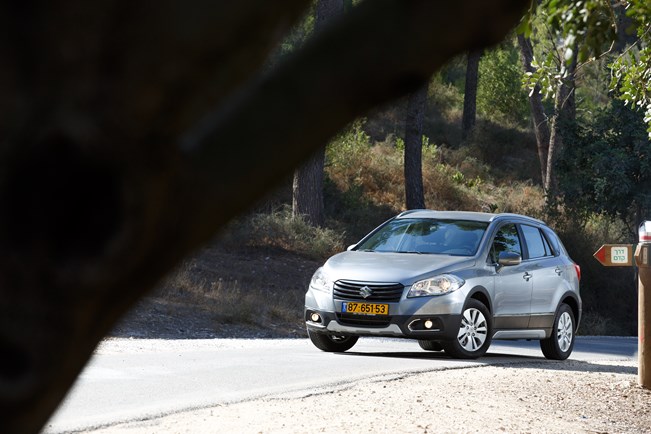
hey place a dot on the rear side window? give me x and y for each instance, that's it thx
(537, 244)
(506, 240)
(557, 246)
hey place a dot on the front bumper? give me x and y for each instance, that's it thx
(444, 327)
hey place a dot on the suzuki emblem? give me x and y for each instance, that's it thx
(365, 291)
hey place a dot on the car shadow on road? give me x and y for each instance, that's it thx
(509, 361)
(437, 355)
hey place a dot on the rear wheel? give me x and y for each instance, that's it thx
(560, 344)
(474, 334)
(430, 345)
(332, 343)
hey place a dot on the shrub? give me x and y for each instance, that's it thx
(281, 229)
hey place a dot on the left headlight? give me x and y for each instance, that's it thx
(437, 285)
(320, 281)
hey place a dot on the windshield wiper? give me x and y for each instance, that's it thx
(410, 251)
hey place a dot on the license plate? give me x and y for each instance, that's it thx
(365, 308)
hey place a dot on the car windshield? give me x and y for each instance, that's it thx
(431, 236)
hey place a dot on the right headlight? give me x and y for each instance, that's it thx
(320, 281)
(437, 285)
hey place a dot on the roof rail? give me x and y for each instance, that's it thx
(409, 211)
(514, 215)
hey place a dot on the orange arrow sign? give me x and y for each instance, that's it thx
(615, 255)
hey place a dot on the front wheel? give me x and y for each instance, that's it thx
(332, 343)
(560, 344)
(475, 332)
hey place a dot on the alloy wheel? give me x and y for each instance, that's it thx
(473, 331)
(564, 332)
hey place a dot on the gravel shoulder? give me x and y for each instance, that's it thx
(562, 397)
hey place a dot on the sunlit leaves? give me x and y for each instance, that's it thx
(580, 30)
(587, 29)
(546, 75)
(631, 71)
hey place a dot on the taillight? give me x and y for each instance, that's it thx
(577, 268)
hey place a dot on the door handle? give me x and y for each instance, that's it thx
(527, 276)
(558, 271)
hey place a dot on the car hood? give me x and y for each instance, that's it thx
(405, 268)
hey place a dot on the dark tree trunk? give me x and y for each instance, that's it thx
(540, 123)
(307, 188)
(414, 196)
(470, 95)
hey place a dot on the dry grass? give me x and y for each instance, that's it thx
(280, 229)
(257, 292)
(229, 302)
(452, 179)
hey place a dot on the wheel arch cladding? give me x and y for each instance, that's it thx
(574, 305)
(480, 294)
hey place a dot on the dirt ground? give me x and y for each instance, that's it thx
(224, 293)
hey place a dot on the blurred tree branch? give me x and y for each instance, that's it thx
(131, 132)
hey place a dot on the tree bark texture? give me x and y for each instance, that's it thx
(307, 188)
(470, 95)
(131, 132)
(414, 195)
(540, 121)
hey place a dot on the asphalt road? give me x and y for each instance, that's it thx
(131, 380)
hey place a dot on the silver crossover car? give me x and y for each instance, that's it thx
(451, 280)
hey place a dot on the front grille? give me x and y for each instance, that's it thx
(363, 320)
(386, 292)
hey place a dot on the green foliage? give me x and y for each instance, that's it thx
(400, 144)
(631, 71)
(545, 75)
(458, 178)
(444, 95)
(296, 37)
(581, 30)
(500, 94)
(426, 146)
(589, 26)
(430, 150)
(352, 143)
(586, 25)
(592, 91)
(631, 75)
(605, 167)
(454, 72)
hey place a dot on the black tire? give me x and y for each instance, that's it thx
(332, 343)
(560, 344)
(475, 332)
(430, 345)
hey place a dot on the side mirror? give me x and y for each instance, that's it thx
(508, 259)
(351, 247)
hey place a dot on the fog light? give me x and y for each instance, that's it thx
(315, 317)
(428, 324)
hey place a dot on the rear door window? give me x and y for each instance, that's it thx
(537, 244)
